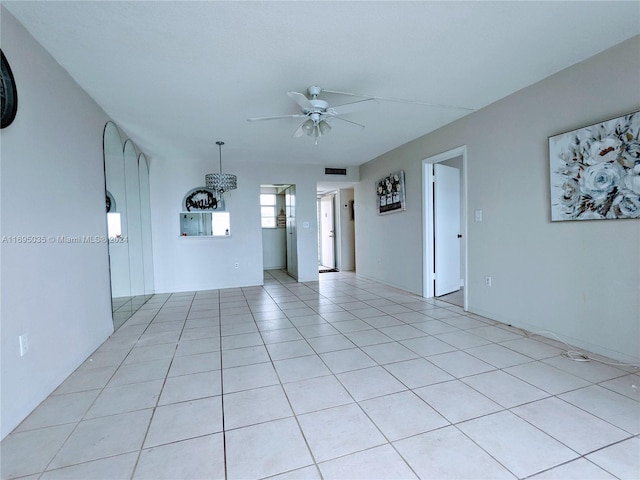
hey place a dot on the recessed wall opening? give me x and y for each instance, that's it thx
(279, 230)
(336, 226)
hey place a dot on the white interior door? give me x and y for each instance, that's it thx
(292, 233)
(447, 229)
(327, 232)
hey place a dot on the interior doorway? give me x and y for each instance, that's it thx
(336, 227)
(326, 233)
(278, 222)
(446, 228)
(292, 231)
(445, 225)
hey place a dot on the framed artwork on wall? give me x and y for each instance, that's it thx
(595, 171)
(8, 92)
(199, 199)
(390, 195)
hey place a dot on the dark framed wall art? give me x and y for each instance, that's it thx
(8, 93)
(390, 194)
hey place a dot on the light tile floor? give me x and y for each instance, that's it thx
(338, 379)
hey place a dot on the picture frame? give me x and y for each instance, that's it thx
(595, 171)
(390, 193)
(201, 199)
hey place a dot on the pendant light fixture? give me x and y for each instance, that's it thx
(221, 182)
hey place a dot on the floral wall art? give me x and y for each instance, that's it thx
(595, 171)
(390, 193)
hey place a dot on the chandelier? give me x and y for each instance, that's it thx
(221, 182)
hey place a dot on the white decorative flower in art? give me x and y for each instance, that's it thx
(571, 195)
(605, 150)
(632, 182)
(627, 205)
(630, 154)
(598, 180)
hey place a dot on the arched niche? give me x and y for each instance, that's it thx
(117, 222)
(129, 224)
(134, 230)
(145, 223)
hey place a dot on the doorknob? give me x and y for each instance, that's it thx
(459, 236)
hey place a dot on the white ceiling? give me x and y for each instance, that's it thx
(177, 75)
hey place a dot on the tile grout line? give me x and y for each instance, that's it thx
(164, 382)
(224, 430)
(295, 417)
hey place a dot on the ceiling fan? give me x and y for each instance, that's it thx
(318, 112)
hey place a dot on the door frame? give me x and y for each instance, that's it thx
(291, 232)
(428, 240)
(321, 233)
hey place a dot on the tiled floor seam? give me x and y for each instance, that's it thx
(164, 382)
(295, 416)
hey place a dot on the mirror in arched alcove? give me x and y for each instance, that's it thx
(116, 197)
(145, 224)
(134, 229)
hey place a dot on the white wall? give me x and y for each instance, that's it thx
(52, 184)
(580, 280)
(389, 247)
(185, 264)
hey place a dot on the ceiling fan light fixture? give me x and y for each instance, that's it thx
(308, 127)
(324, 127)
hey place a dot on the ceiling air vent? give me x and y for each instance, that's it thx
(335, 171)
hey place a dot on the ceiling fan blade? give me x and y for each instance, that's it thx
(400, 100)
(350, 107)
(347, 93)
(348, 121)
(299, 131)
(277, 117)
(301, 100)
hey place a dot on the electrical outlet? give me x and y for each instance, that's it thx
(24, 344)
(487, 281)
(236, 265)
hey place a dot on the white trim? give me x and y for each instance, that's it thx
(427, 237)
